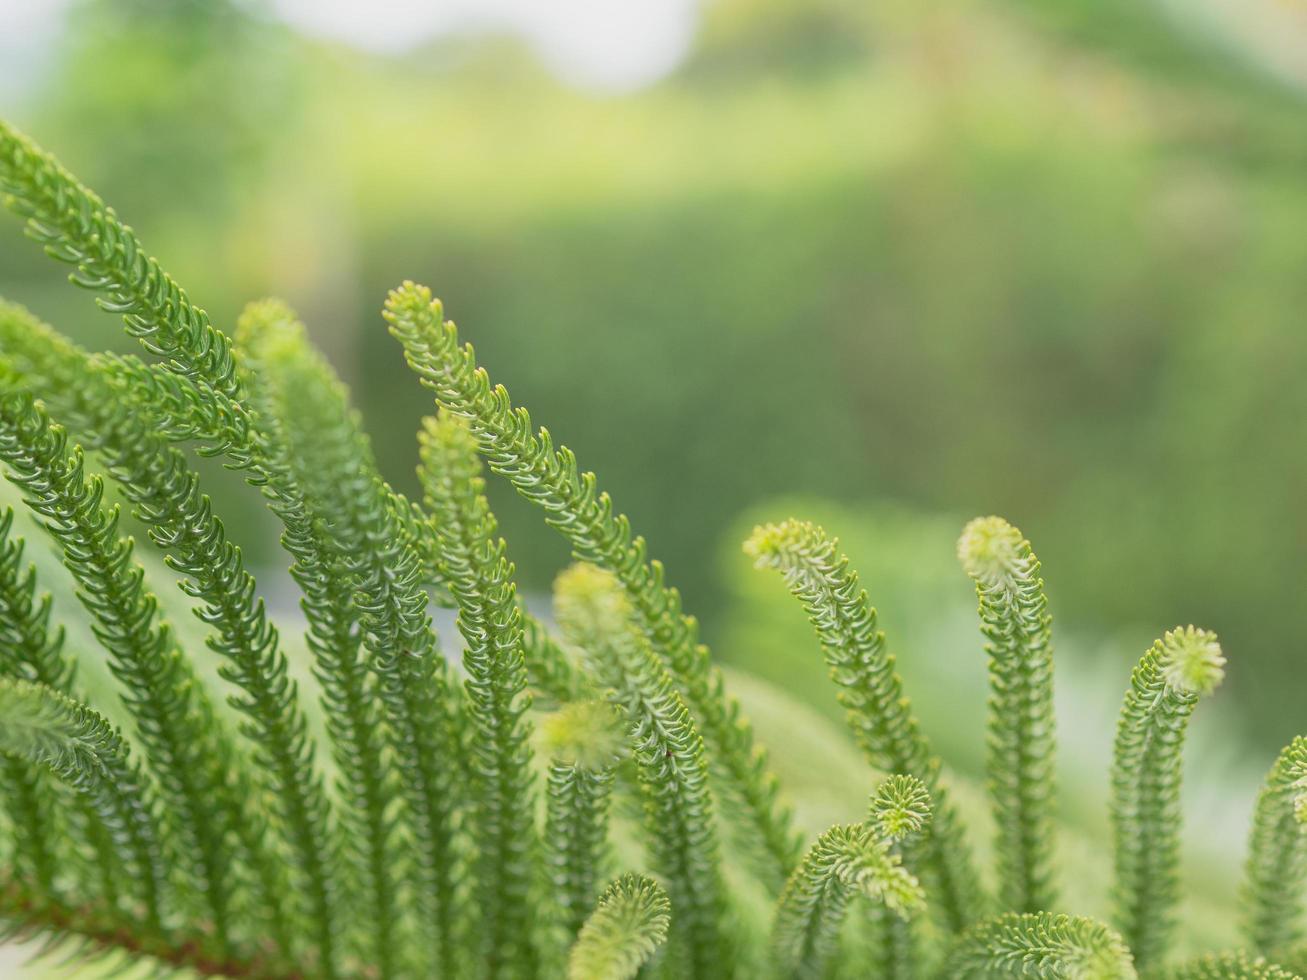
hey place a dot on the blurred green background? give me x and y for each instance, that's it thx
(912, 262)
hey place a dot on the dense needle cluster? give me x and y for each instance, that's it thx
(586, 803)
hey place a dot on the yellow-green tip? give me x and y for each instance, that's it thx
(900, 807)
(587, 597)
(1191, 661)
(586, 734)
(994, 553)
(769, 542)
(265, 323)
(411, 298)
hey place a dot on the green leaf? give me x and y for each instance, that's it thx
(186, 749)
(584, 741)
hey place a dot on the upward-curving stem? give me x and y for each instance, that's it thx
(586, 518)
(474, 565)
(76, 227)
(1277, 855)
(596, 615)
(1039, 944)
(1183, 666)
(1022, 752)
(872, 694)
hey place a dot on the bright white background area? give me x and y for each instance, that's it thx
(601, 45)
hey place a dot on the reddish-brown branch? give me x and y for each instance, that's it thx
(30, 915)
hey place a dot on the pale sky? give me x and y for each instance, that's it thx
(603, 45)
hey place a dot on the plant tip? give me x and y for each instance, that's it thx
(1192, 661)
(994, 553)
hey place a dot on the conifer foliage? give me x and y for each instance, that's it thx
(587, 802)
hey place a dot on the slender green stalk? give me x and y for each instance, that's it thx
(369, 788)
(1181, 667)
(76, 227)
(872, 694)
(550, 671)
(43, 727)
(105, 401)
(371, 555)
(585, 517)
(623, 933)
(595, 614)
(1039, 944)
(475, 567)
(1022, 751)
(1277, 855)
(584, 741)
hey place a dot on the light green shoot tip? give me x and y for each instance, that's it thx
(1191, 660)
(585, 593)
(586, 734)
(900, 807)
(994, 553)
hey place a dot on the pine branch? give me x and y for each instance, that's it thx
(1179, 669)
(586, 518)
(328, 454)
(97, 931)
(185, 748)
(1056, 947)
(1022, 752)
(1227, 966)
(872, 694)
(1277, 855)
(627, 927)
(76, 227)
(475, 567)
(45, 728)
(595, 614)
